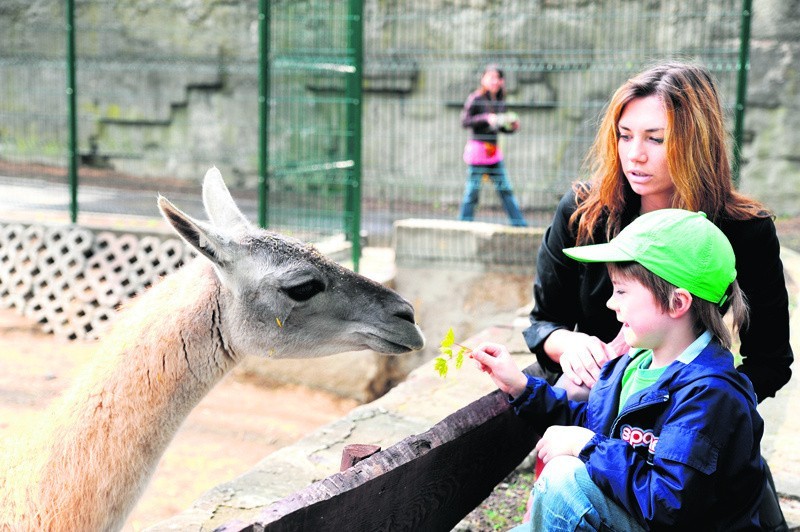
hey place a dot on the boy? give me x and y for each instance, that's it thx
(669, 438)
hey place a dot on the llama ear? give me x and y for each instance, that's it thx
(220, 207)
(202, 237)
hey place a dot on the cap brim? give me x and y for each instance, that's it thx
(598, 253)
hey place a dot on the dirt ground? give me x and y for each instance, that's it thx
(233, 428)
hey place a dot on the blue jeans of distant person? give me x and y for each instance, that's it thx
(497, 173)
(565, 498)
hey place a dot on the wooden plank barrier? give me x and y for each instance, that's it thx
(426, 482)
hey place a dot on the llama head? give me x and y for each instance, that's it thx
(280, 297)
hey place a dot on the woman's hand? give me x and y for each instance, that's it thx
(558, 441)
(495, 360)
(582, 356)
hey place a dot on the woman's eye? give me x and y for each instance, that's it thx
(304, 291)
(624, 137)
(657, 140)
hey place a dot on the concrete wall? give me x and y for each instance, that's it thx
(464, 275)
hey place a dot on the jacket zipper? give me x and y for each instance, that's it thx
(641, 406)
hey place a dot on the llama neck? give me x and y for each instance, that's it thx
(164, 354)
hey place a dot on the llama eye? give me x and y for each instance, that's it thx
(304, 291)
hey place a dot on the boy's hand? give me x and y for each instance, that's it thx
(558, 440)
(495, 360)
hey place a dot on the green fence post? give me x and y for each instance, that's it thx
(72, 118)
(263, 110)
(743, 66)
(354, 102)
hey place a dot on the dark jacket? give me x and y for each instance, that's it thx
(682, 455)
(475, 115)
(570, 295)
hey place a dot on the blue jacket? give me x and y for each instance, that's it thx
(683, 454)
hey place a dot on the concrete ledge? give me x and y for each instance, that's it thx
(469, 244)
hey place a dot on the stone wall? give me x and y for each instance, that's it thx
(771, 168)
(185, 97)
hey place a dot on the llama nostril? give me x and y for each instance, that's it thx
(406, 314)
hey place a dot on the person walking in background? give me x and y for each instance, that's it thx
(485, 114)
(661, 143)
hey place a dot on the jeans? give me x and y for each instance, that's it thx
(499, 176)
(565, 498)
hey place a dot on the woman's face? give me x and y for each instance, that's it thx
(642, 152)
(492, 82)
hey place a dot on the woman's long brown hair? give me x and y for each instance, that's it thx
(697, 155)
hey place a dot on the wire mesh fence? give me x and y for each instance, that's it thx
(165, 90)
(562, 61)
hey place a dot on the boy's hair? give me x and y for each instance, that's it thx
(705, 314)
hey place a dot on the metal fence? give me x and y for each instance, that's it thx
(324, 116)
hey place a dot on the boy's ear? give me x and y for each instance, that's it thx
(681, 303)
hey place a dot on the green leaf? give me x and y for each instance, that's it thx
(449, 338)
(446, 349)
(460, 357)
(440, 365)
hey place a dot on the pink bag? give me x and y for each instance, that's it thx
(479, 153)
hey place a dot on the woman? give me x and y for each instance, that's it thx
(485, 114)
(661, 144)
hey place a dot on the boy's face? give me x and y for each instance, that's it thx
(644, 322)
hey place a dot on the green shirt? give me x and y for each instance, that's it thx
(638, 375)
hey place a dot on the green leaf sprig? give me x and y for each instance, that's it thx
(442, 363)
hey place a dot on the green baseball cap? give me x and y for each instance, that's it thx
(682, 247)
